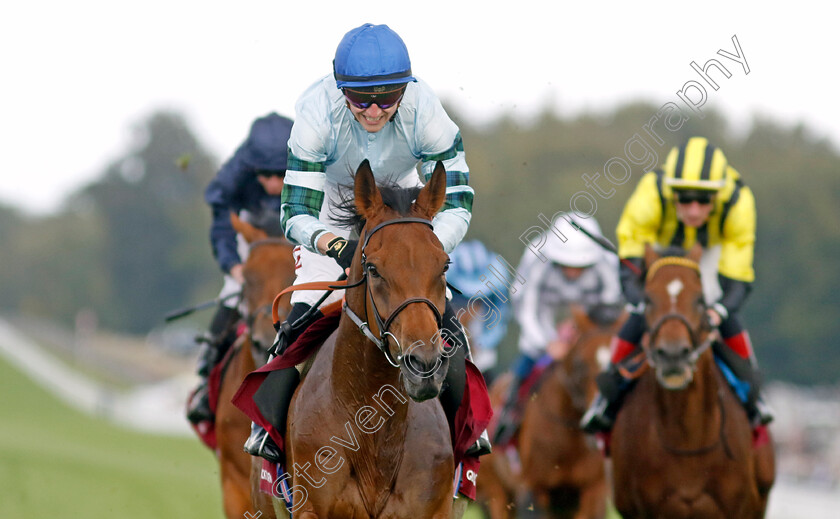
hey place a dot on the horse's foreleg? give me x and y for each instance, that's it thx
(236, 496)
(593, 501)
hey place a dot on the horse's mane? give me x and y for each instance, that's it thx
(394, 196)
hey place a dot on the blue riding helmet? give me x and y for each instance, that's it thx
(371, 55)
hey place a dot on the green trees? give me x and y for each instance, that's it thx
(520, 170)
(133, 245)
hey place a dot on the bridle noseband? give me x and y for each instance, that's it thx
(383, 326)
(696, 349)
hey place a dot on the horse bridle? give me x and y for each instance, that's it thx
(697, 348)
(696, 352)
(381, 342)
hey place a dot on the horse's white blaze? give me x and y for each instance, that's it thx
(603, 356)
(674, 288)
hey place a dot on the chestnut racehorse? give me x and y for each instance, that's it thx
(682, 445)
(561, 469)
(561, 466)
(268, 269)
(366, 436)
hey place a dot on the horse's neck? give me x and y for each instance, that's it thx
(365, 385)
(692, 414)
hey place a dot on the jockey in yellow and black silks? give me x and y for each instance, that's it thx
(695, 197)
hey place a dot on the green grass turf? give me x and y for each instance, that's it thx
(57, 462)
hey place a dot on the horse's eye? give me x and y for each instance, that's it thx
(446, 266)
(371, 269)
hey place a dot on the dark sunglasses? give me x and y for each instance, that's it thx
(268, 173)
(701, 197)
(383, 100)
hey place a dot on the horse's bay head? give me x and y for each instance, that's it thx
(405, 266)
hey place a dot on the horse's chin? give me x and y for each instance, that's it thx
(675, 378)
(423, 385)
(422, 391)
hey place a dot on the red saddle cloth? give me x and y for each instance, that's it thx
(471, 419)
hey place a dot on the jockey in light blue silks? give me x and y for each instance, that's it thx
(371, 108)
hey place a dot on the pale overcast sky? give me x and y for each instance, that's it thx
(77, 75)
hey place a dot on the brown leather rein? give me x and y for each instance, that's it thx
(381, 342)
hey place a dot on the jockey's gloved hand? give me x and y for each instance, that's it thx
(342, 251)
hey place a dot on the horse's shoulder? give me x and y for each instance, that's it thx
(315, 378)
(321, 360)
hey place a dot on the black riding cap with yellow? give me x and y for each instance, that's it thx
(696, 165)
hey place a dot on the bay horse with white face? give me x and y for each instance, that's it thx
(366, 436)
(682, 445)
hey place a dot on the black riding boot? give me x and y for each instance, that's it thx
(744, 378)
(213, 349)
(456, 377)
(275, 394)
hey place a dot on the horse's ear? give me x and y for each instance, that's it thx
(695, 253)
(650, 255)
(431, 197)
(248, 231)
(367, 197)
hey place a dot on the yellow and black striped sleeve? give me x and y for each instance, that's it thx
(641, 218)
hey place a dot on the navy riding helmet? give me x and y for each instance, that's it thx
(265, 148)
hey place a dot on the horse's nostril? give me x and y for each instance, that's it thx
(422, 367)
(672, 353)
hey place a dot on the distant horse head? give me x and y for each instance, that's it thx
(675, 310)
(268, 269)
(590, 352)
